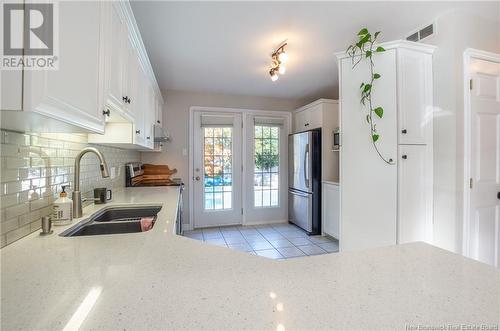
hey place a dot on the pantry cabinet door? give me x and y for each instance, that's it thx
(73, 93)
(415, 193)
(415, 105)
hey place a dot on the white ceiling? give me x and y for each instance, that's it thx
(225, 47)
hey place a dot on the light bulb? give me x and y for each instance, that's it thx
(281, 69)
(283, 57)
(274, 75)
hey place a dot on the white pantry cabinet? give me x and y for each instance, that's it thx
(330, 212)
(385, 204)
(69, 99)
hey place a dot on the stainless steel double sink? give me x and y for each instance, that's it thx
(114, 220)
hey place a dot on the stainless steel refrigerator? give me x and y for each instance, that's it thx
(304, 180)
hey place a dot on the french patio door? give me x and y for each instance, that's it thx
(217, 175)
(239, 168)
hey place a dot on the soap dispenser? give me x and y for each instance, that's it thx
(62, 209)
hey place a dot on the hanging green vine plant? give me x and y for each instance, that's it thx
(363, 49)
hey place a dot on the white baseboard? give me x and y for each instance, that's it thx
(189, 226)
(264, 222)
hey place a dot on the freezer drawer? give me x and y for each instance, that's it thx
(300, 207)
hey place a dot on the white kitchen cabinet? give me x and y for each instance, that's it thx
(330, 210)
(117, 56)
(415, 104)
(134, 93)
(414, 190)
(324, 114)
(385, 204)
(69, 99)
(301, 121)
(308, 117)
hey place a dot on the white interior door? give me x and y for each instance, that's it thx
(484, 233)
(217, 172)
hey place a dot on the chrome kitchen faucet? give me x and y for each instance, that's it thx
(77, 195)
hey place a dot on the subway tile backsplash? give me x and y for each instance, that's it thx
(33, 167)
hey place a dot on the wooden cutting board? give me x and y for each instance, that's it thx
(157, 174)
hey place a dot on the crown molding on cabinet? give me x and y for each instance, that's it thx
(400, 44)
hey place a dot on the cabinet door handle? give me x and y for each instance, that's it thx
(404, 131)
(405, 157)
(148, 138)
(128, 100)
(106, 112)
(124, 99)
(498, 195)
(138, 131)
(158, 121)
(307, 124)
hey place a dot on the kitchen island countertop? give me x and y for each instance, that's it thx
(157, 280)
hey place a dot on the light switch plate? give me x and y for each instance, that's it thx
(113, 173)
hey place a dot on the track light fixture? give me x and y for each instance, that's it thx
(279, 59)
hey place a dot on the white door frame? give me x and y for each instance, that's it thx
(469, 54)
(192, 110)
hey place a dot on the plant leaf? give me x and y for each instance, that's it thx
(380, 49)
(368, 53)
(379, 111)
(368, 119)
(362, 84)
(364, 39)
(375, 137)
(376, 34)
(367, 87)
(376, 76)
(362, 32)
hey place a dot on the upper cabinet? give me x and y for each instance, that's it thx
(104, 81)
(132, 96)
(117, 57)
(415, 104)
(70, 98)
(324, 114)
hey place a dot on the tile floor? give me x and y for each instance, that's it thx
(276, 241)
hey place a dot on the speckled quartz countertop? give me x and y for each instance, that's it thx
(157, 280)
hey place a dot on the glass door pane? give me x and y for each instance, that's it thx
(218, 165)
(266, 161)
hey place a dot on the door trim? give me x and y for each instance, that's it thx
(243, 111)
(469, 54)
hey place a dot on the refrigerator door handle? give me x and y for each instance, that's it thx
(306, 166)
(301, 194)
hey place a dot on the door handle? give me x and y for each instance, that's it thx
(306, 170)
(498, 195)
(197, 178)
